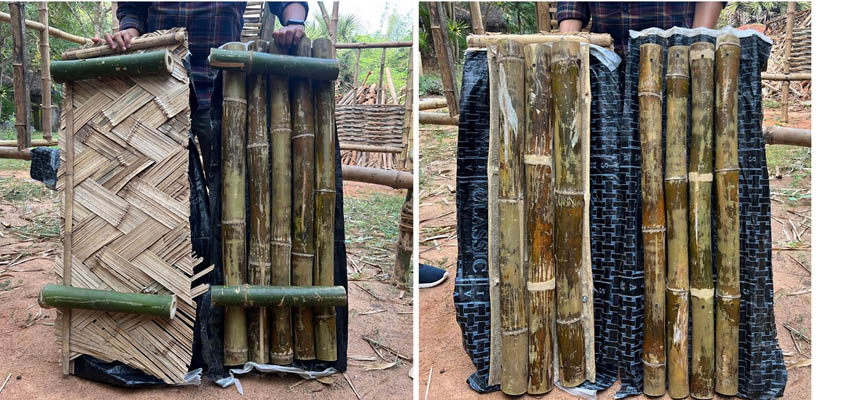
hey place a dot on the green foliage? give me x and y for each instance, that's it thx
(740, 13)
(521, 16)
(770, 103)
(430, 84)
(371, 217)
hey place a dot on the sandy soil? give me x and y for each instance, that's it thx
(440, 349)
(30, 352)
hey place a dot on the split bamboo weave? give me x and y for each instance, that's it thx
(131, 215)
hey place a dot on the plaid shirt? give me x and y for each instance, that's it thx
(617, 18)
(209, 24)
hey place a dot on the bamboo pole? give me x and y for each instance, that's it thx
(444, 56)
(404, 245)
(540, 260)
(280, 132)
(303, 204)
(5, 17)
(728, 56)
(150, 63)
(569, 210)
(701, 56)
(244, 296)
(475, 16)
(799, 76)
(20, 75)
(68, 239)
(370, 148)
(137, 43)
(357, 68)
(437, 118)
(495, 377)
(259, 259)
(391, 85)
(12, 152)
(653, 224)
(675, 199)
(275, 64)
(481, 41)
(35, 143)
(544, 21)
(407, 125)
(788, 136)
(325, 193)
(374, 45)
(66, 297)
(786, 63)
(387, 177)
(381, 99)
(234, 109)
(511, 228)
(46, 92)
(432, 104)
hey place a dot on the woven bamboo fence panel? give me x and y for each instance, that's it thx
(131, 216)
(373, 125)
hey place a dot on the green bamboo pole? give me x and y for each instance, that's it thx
(234, 109)
(495, 377)
(280, 121)
(301, 66)
(701, 56)
(676, 200)
(57, 296)
(728, 56)
(325, 204)
(569, 210)
(278, 296)
(303, 201)
(540, 259)
(259, 261)
(511, 228)
(150, 63)
(653, 224)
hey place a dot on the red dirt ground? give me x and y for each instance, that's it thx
(31, 354)
(441, 352)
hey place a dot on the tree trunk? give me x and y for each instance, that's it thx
(653, 224)
(275, 64)
(20, 75)
(540, 261)
(158, 305)
(701, 57)
(246, 296)
(511, 227)
(234, 109)
(150, 63)
(444, 57)
(676, 199)
(728, 56)
(303, 202)
(569, 210)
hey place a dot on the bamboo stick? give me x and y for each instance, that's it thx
(278, 296)
(540, 261)
(475, 17)
(275, 64)
(46, 92)
(404, 245)
(511, 228)
(370, 148)
(58, 296)
(728, 56)
(149, 63)
(786, 63)
(569, 210)
(444, 56)
(407, 125)
(259, 260)
(437, 118)
(788, 136)
(376, 45)
(136, 43)
(701, 56)
(234, 109)
(68, 239)
(303, 204)
(676, 198)
(20, 75)
(431, 104)
(5, 17)
(378, 176)
(495, 377)
(325, 317)
(799, 76)
(653, 225)
(280, 122)
(599, 39)
(381, 78)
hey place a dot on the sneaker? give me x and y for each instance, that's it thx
(431, 276)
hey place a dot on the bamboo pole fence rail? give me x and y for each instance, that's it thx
(37, 26)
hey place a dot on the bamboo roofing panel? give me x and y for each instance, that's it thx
(131, 216)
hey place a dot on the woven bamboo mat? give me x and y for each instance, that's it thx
(374, 125)
(131, 215)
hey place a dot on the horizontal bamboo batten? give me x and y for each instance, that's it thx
(5, 17)
(377, 45)
(244, 296)
(56, 296)
(252, 62)
(481, 41)
(150, 63)
(392, 178)
(136, 43)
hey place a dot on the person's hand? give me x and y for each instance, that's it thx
(288, 35)
(120, 40)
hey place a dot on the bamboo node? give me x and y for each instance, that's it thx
(255, 145)
(651, 94)
(700, 177)
(677, 290)
(676, 179)
(676, 76)
(568, 321)
(514, 332)
(653, 364)
(728, 296)
(233, 222)
(235, 100)
(302, 135)
(702, 293)
(727, 170)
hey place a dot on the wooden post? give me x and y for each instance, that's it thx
(653, 225)
(511, 227)
(381, 78)
(280, 132)
(540, 259)
(46, 92)
(20, 75)
(68, 240)
(701, 56)
(728, 56)
(303, 204)
(786, 65)
(475, 16)
(357, 70)
(569, 210)
(407, 125)
(404, 246)
(676, 199)
(444, 56)
(234, 110)
(544, 20)
(391, 86)
(325, 197)
(259, 259)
